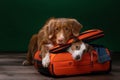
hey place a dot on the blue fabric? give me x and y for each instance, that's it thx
(102, 54)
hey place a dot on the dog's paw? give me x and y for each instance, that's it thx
(46, 60)
(26, 63)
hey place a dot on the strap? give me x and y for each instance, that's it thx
(91, 57)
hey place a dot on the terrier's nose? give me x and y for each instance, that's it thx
(77, 57)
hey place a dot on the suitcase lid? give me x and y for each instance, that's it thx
(86, 36)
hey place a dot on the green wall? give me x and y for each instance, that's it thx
(19, 19)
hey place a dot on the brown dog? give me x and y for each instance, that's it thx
(56, 31)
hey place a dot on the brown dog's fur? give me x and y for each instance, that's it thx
(50, 34)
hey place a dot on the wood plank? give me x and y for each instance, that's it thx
(11, 68)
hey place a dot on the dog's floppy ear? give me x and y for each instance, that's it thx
(76, 27)
(49, 30)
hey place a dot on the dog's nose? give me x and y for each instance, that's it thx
(60, 40)
(77, 57)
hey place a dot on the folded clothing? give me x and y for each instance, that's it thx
(102, 54)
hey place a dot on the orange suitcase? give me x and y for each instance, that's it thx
(62, 64)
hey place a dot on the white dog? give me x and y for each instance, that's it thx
(77, 49)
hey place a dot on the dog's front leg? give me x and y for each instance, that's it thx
(46, 60)
(45, 56)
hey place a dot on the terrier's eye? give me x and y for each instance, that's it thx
(77, 47)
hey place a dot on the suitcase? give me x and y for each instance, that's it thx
(62, 63)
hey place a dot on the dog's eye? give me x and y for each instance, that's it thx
(57, 29)
(77, 47)
(66, 29)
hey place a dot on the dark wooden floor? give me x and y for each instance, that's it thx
(12, 69)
